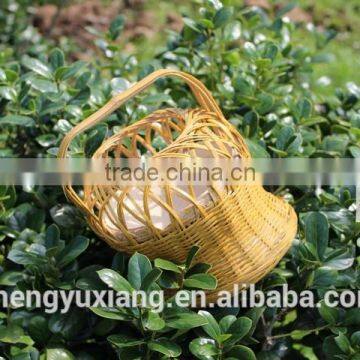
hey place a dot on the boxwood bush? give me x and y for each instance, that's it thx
(264, 81)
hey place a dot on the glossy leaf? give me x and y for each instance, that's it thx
(139, 266)
(165, 347)
(201, 281)
(115, 280)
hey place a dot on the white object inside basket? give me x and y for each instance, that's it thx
(133, 215)
(160, 216)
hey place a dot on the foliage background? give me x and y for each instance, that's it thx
(286, 76)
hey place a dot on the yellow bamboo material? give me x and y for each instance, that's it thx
(243, 230)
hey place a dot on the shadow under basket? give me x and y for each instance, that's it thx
(243, 231)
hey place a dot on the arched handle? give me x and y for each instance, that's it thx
(201, 93)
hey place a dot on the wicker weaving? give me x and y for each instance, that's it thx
(243, 230)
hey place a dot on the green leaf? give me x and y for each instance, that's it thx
(110, 313)
(38, 329)
(352, 317)
(66, 216)
(329, 314)
(52, 236)
(317, 232)
(132, 353)
(10, 278)
(355, 338)
(313, 121)
(2, 75)
(82, 80)
(191, 255)
(153, 321)
(81, 98)
(139, 266)
(304, 108)
(241, 352)
(124, 341)
(95, 139)
(67, 324)
(341, 262)
(203, 348)
(355, 151)
(270, 51)
(119, 85)
(13, 334)
(88, 278)
(281, 153)
(11, 76)
(212, 328)
(222, 16)
(343, 343)
(56, 58)
(43, 85)
(167, 265)
(265, 104)
(243, 87)
(119, 262)
(8, 196)
(156, 99)
(256, 150)
(150, 279)
(46, 140)
(115, 280)
(71, 251)
(306, 351)
(331, 349)
(8, 93)
(300, 334)
(67, 72)
(191, 24)
(294, 146)
(251, 120)
(21, 257)
(201, 281)
(165, 347)
(232, 31)
(63, 126)
(168, 280)
(342, 221)
(59, 354)
(226, 322)
(238, 329)
(35, 219)
(199, 268)
(116, 26)
(185, 321)
(283, 139)
(18, 120)
(323, 278)
(250, 50)
(206, 23)
(222, 338)
(37, 66)
(335, 144)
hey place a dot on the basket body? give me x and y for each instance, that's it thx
(241, 238)
(243, 230)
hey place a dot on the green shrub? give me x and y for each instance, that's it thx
(265, 84)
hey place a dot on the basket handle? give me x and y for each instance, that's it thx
(201, 93)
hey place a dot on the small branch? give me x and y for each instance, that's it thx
(289, 334)
(268, 329)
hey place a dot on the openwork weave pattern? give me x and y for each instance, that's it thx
(243, 231)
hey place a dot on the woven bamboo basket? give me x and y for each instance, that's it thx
(243, 230)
